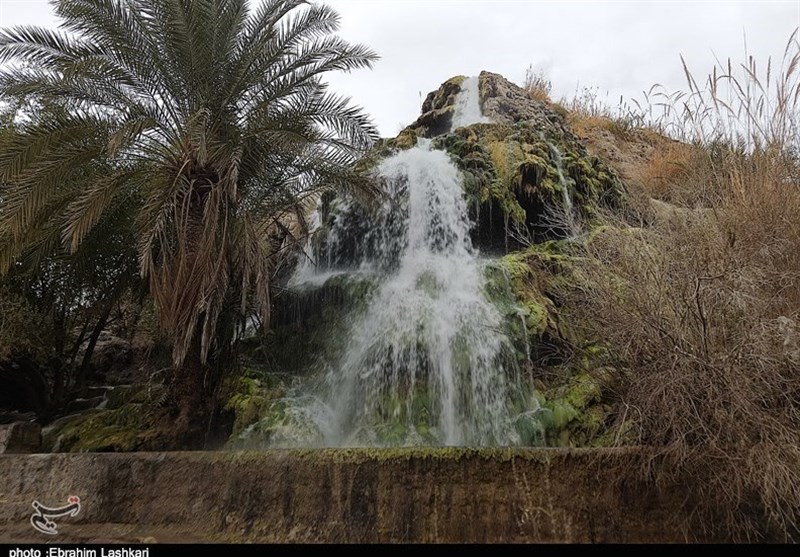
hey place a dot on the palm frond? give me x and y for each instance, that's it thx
(191, 132)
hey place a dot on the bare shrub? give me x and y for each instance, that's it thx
(701, 310)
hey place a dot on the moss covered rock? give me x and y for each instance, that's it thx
(520, 172)
(519, 169)
(582, 410)
(525, 285)
(437, 109)
(119, 430)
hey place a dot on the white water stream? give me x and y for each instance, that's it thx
(424, 363)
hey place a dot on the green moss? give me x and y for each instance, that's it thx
(582, 391)
(247, 404)
(514, 167)
(620, 434)
(252, 394)
(579, 412)
(526, 283)
(118, 396)
(563, 413)
(117, 430)
(361, 455)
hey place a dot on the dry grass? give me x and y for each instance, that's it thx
(588, 109)
(537, 84)
(702, 309)
(583, 124)
(667, 173)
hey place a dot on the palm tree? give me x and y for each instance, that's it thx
(214, 128)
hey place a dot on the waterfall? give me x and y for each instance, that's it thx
(314, 268)
(467, 107)
(571, 225)
(426, 362)
(306, 270)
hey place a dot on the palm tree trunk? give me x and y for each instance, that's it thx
(191, 393)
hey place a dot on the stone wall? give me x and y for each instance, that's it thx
(344, 495)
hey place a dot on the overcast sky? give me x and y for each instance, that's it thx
(621, 47)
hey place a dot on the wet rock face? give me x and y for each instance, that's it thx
(20, 437)
(437, 110)
(349, 496)
(500, 100)
(529, 183)
(527, 176)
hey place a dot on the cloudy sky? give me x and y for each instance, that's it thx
(619, 47)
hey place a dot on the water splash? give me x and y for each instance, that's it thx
(425, 362)
(306, 270)
(467, 106)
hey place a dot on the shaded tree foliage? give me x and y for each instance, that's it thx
(195, 133)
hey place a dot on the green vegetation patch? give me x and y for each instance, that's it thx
(120, 430)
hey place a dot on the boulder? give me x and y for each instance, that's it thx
(112, 358)
(20, 437)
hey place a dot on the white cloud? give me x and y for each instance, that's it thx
(621, 47)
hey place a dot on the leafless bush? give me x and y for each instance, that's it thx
(702, 311)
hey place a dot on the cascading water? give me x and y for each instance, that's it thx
(570, 224)
(427, 361)
(467, 108)
(306, 268)
(308, 272)
(426, 358)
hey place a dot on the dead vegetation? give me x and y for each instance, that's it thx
(698, 302)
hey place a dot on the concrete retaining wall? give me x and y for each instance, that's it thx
(361, 495)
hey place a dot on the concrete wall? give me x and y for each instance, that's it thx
(362, 495)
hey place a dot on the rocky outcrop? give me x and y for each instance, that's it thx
(20, 437)
(533, 191)
(437, 113)
(506, 103)
(523, 171)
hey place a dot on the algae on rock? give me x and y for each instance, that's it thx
(119, 430)
(517, 167)
(519, 171)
